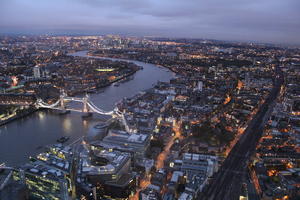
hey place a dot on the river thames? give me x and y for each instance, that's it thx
(27, 136)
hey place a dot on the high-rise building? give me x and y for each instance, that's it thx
(44, 183)
(11, 188)
(136, 143)
(109, 171)
(36, 72)
(200, 86)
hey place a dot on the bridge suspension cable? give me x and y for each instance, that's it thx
(98, 110)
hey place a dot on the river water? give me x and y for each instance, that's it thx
(25, 137)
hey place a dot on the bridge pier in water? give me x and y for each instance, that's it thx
(63, 109)
(86, 109)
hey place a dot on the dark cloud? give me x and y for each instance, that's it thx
(256, 20)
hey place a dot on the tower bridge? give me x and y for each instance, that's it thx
(62, 104)
(87, 105)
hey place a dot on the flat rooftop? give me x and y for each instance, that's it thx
(116, 160)
(121, 136)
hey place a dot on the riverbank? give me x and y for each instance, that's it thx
(124, 58)
(119, 78)
(44, 127)
(24, 113)
(102, 85)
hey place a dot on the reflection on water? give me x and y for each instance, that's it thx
(41, 116)
(85, 123)
(21, 138)
(67, 126)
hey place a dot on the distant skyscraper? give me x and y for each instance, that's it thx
(36, 72)
(254, 61)
(247, 79)
(200, 86)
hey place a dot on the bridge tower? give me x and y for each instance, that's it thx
(62, 101)
(85, 100)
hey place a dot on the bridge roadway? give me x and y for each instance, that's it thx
(227, 183)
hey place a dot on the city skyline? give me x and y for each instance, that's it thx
(269, 21)
(149, 100)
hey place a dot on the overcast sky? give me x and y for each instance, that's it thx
(275, 21)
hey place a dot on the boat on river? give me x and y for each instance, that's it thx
(63, 139)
